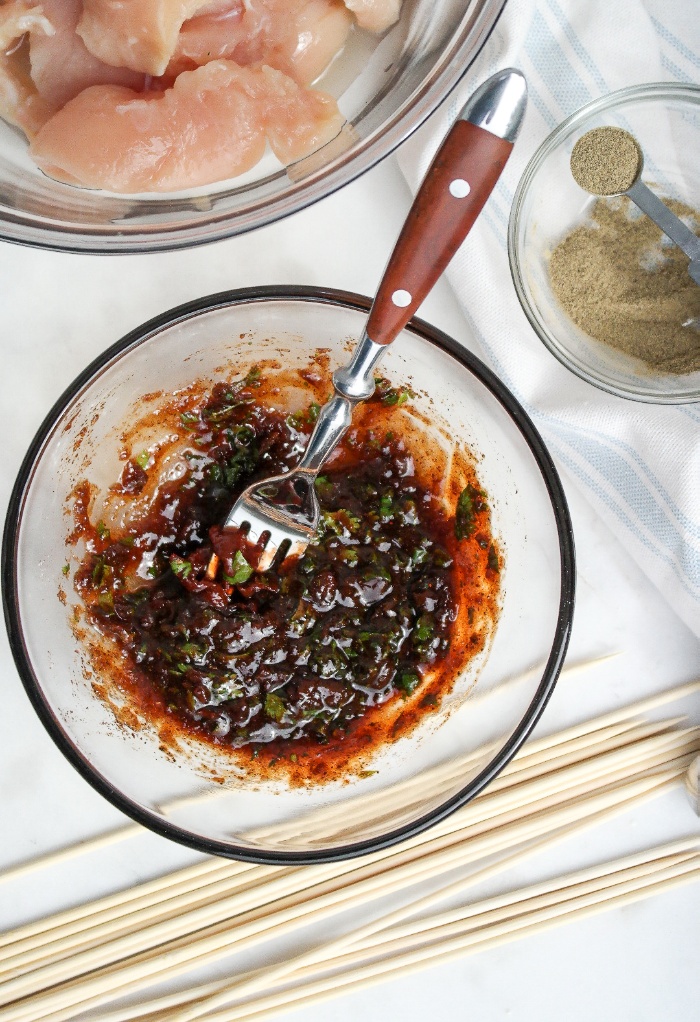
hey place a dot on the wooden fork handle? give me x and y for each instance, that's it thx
(453, 193)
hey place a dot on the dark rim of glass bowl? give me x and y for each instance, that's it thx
(566, 598)
(120, 238)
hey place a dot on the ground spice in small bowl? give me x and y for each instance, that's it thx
(623, 282)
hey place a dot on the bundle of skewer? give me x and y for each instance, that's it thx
(96, 955)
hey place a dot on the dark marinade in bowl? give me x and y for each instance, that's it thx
(381, 611)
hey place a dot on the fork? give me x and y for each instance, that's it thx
(282, 512)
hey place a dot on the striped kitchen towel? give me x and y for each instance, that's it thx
(638, 465)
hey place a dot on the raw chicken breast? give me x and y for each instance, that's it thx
(299, 37)
(20, 103)
(211, 125)
(19, 17)
(298, 121)
(61, 64)
(138, 34)
(375, 15)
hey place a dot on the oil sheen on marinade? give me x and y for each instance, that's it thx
(314, 665)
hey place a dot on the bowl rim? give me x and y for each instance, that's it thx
(631, 93)
(562, 631)
(122, 238)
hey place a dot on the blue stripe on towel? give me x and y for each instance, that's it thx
(575, 469)
(583, 55)
(674, 70)
(675, 42)
(655, 509)
(556, 72)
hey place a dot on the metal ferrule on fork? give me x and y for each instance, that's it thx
(353, 382)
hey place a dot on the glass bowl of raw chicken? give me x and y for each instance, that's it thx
(152, 125)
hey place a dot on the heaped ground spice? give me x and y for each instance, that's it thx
(624, 283)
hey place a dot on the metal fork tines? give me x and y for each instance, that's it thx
(286, 507)
(281, 514)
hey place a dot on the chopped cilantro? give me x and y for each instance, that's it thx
(419, 555)
(143, 459)
(242, 463)
(180, 567)
(424, 630)
(192, 649)
(349, 556)
(189, 418)
(274, 706)
(324, 487)
(470, 502)
(102, 530)
(241, 570)
(408, 681)
(65, 569)
(396, 397)
(386, 506)
(100, 571)
(241, 436)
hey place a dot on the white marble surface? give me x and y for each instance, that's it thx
(638, 963)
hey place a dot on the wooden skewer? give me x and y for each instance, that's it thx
(660, 746)
(581, 748)
(212, 881)
(608, 874)
(160, 892)
(173, 960)
(548, 759)
(435, 783)
(92, 844)
(519, 800)
(490, 937)
(608, 719)
(536, 791)
(500, 919)
(480, 829)
(271, 976)
(515, 903)
(53, 946)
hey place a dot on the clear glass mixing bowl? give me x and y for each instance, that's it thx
(198, 798)
(385, 89)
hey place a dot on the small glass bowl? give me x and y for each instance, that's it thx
(548, 204)
(199, 797)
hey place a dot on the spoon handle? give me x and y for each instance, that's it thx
(454, 190)
(662, 216)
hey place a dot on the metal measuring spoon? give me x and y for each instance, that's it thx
(609, 161)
